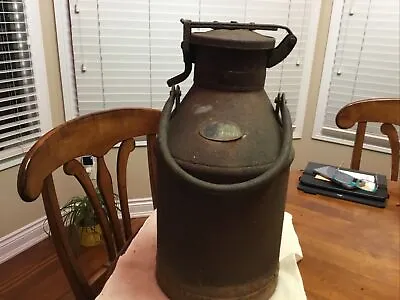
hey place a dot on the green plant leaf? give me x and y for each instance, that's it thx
(78, 211)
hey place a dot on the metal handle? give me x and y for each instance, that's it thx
(283, 161)
(276, 55)
(188, 25)
(188, 66)
(281, 51)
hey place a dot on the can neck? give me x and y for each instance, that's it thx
(229, 69)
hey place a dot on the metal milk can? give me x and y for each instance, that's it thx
(223, 160)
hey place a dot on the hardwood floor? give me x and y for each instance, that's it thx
(37, 274)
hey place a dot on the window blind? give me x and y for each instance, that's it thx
(366, 64)
(19, 113)
(124, 51)
(286, 77)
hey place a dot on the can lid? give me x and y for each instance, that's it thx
(242, 39)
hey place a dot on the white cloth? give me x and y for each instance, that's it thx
(134, 275)
(290, 284)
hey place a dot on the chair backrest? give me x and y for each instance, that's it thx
(380, 110)
(95, 135)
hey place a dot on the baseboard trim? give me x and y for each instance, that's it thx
(22, 239)
(140, 207)
(18, 241)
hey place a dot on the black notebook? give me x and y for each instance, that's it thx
(309, 184)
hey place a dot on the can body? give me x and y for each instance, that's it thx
(216, 246)
(223, 161)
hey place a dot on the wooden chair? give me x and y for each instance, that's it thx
(93, 134)
(381, 110)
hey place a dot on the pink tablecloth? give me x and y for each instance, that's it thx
(134, 275)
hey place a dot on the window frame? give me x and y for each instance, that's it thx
(306, 79)
(329, 60)
(35, 41)
(65, 53)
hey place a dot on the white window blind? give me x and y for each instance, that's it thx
(124, 51)
(20, 123)
(362, 61)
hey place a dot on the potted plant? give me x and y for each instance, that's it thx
(78, 216)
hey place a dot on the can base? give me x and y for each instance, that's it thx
(259, 289)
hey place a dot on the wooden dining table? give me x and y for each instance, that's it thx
(350, 251)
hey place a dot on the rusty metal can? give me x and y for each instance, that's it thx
(223, 158)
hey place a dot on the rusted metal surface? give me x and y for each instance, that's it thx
(218, 245)
(248, 156)
(242, 39)
(223, 161)
(245, 40)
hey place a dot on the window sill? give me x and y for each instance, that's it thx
(339, 141)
